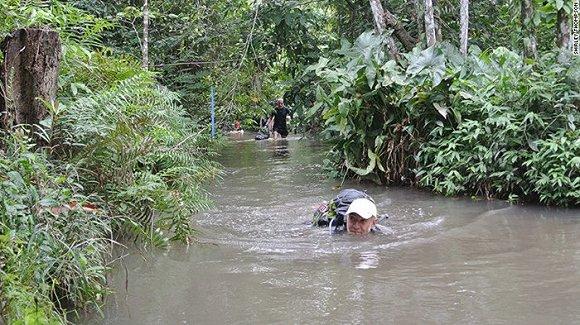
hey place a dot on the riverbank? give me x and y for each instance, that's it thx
(115, 158)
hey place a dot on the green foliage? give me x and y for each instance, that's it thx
(477, 125)
(74, 25)
(139, 150)
(507, 110)
(288, 35)
(193, 45)
(250, 52)
(556, 165)
(51, 246)
(374, 110)
(122, 160)
(495, 24)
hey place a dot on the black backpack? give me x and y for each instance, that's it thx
(263, 134)
(338, 207)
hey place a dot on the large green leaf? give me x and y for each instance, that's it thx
(364, 171)
(429, 62)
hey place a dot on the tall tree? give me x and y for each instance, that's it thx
(28, 75)
(530, 43)
(419, 16)
(145, 45)
(437, 21)
(464, 21)
(562, 30)
(430, 23)
(379, 16)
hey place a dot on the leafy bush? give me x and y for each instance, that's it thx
(507, 110)
(51, 245)
(457, 125)
(135, 146)
(553, 170)
(122, 159)
(75, 26)
(376, 111)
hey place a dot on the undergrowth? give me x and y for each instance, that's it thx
(119, 161)
(487, 124)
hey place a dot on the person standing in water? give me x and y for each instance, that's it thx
(277, 121)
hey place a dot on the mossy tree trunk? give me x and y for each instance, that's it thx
(399, 31)
(430, 32)
(464, 26)
(29, 75)
(563, 30)
(145, 46)
(530, 43)
(380, 24)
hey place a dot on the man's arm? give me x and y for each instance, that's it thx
(270, 123)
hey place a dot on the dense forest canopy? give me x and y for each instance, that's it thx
(463, 98)
(262, 47)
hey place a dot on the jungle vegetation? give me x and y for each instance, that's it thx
(461, 98)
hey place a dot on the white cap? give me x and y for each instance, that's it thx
(363, 207)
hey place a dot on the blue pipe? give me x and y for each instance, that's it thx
(212, 107)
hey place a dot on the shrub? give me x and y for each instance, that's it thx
(458, 125)
(507, 111)
(553, 169)
(52, 247)
(122, 160)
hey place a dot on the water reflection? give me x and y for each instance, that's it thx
(369, 260)
(281, 150)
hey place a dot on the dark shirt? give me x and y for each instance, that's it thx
(280, 118)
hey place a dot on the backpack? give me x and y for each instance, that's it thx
(263, 134)
(335, 212)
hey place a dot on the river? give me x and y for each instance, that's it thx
(442, 260)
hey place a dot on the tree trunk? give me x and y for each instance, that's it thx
(400, 32)
(437, 22)
(29, 75)
(419, 17)
(429, 23)
(145, 46)
(464, 22)
(530, 45)
(562, 30)
(378, 15)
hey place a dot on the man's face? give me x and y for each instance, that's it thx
(357, 225)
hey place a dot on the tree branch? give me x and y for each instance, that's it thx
(399, 30)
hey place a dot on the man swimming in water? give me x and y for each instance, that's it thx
(351, 210)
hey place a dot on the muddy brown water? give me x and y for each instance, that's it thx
(442, 260)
